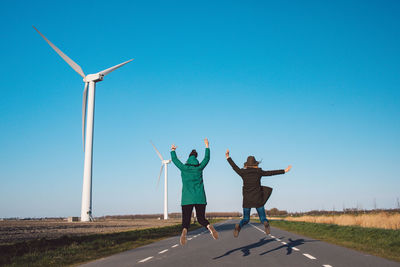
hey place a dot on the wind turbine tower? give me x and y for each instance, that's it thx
(164, 163)
(87, 137)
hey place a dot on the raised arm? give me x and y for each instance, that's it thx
(175, 159)
(276, 172)
(270, 173)
(206, 159)
(233, 165)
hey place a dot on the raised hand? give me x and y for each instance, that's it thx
(227, 154)
(173, 147)
(288, 168)
(206, 142)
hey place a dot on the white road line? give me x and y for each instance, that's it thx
(294, 248)
(327, 265)
(189, 238)
(146, 259)
(257, 228)
(161, 252)
(277, 239)
(174, 246)
(309, 256)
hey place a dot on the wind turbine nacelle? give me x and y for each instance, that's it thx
(97, 77)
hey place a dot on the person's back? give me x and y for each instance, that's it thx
(192, 178)
(252, 185)
(251, 177)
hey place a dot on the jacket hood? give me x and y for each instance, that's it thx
(192, 160)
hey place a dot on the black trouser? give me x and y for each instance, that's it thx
(200, 214)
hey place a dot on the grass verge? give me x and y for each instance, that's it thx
(71, 250)
(379, 242)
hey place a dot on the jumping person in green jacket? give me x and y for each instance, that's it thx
(193, 194)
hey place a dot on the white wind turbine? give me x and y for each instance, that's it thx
(164, 163)
(87, 138)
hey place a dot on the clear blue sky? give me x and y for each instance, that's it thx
(314, 84)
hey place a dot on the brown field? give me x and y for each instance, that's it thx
(383, 220)
(12, 231)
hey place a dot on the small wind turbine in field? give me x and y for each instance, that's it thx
(164, 163)
(87, 138)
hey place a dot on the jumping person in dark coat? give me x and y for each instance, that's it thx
(254, 195)
(193, 194)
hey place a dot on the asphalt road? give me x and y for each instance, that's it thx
(251, 248)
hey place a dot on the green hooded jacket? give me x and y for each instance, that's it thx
(192, 178)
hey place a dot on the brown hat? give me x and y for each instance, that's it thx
(251, 162)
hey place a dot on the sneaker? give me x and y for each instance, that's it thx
(267, 228)
(236, 231)
(213, 232)
(183, 237)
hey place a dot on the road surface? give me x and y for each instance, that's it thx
(251, 248)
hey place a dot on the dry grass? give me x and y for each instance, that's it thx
(382, 220)
(72, 249)
(24, 230)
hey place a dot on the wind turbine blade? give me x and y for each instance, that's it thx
(70, 62)
(157, 151)
(84, 114)
(162, 166)
(107, 71)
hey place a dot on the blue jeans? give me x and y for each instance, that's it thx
(246, 216)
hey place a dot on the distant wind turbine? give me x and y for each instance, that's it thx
(90, 81)
(164, 163)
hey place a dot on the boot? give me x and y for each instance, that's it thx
(267, 228)
(183, 236)
(236, 230)
(213, 232)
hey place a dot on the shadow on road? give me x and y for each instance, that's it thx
(219, 228)
(225, 227)
(246, 249)
(289, 246)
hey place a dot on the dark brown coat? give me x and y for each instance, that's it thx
(254, 195)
